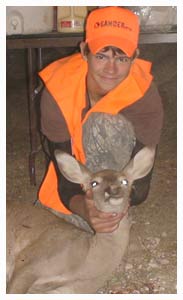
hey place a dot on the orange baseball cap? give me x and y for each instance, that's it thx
(112, 26)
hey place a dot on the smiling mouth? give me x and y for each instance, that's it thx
(109, 78)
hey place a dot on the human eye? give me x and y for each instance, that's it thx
(123, 59)
(100, 56)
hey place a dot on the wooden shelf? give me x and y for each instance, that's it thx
(57, 40)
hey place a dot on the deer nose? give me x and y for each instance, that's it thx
(112, 190)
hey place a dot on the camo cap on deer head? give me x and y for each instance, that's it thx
(112, 26)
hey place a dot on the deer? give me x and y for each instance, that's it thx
(48, 255)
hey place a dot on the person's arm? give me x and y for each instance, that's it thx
(54, 127)
(146, 116)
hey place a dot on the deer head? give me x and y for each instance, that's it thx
(111, 189)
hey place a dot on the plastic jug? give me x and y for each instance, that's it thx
(29, 19)
(71, 18)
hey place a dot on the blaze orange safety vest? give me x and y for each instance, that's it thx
(65, 79)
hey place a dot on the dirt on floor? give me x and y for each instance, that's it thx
(150, 264)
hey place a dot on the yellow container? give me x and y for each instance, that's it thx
(71, 18)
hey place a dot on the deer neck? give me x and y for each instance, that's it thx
(107, 249)
(114, 236)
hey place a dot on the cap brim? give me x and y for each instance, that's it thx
(125, 45)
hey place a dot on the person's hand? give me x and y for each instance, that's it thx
(98, 220)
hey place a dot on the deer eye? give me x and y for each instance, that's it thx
(94, 184)
(124, 181)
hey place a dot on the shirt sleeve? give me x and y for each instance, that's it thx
(146, 115)
(53, 124)
(54, 127)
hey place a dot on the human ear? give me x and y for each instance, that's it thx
(82, 49)
(136, 54)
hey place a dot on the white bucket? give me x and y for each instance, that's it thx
(29, 19)
(71, 18)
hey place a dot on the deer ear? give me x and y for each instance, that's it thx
(71, 169)
(141, 164)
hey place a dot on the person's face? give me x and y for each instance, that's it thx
(106, 70)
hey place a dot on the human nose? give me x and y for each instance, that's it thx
(110, 66)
